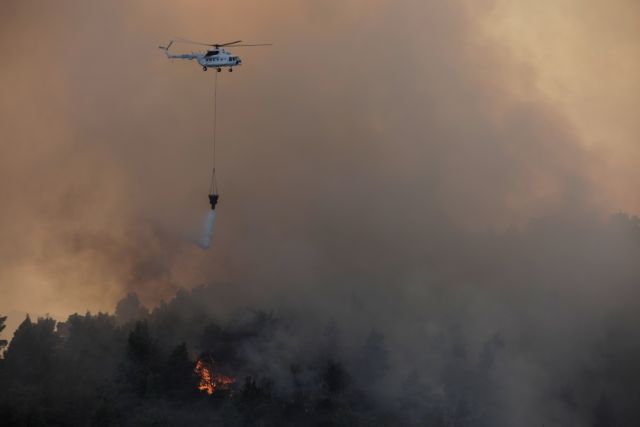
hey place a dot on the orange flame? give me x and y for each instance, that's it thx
(211, 382)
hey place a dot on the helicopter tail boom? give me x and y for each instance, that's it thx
(173, 56)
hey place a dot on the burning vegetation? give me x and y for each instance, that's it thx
(209, 380)
(136, 368)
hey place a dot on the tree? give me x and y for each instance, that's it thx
(179, 379)
(3, 343)
(93, 345)
(28, 374)
(31, 355)
(373, 361)
(141, 367)
(130, 309)
(334, 378)
(603, 413)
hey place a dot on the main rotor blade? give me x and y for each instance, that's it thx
(228, 44)
(247, 45)
(217, 45)
(193, 42)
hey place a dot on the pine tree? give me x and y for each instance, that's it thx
(603, 413)
(32, 353)
(3, 343)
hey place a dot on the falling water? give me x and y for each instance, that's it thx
(207, 232)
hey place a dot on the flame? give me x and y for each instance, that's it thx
(209, 381)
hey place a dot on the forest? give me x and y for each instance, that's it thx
(179, 365)
(176, 365)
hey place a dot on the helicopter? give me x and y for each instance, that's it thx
(215, 57)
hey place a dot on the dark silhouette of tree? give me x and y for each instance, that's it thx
(141, 346)
(129, 309)
(92, 348)
(332, 407)
(178, 378)
(28, 374)
(141, 366)
(418, 404)
(3, 343)
(373, 360)
(93, 344)
(220, 343)
(92, 370)
(334, 379)
(31, 355)
(603, 413)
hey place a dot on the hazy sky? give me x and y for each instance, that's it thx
(415, 166)
(368, 125)
(586, 59)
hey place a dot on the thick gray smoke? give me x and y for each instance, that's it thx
(384, 166)
(323, 144)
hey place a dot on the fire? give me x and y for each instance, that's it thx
(209, 381)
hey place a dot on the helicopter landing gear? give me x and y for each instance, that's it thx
(231, 70)
(219, 69)
(204, 68)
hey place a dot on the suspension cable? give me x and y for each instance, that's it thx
(213, 186)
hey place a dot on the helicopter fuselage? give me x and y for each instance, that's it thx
(217, 58)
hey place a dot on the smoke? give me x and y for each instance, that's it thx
(330, 145)
(385, 165)
(207, 232)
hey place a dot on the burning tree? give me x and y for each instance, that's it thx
(211, 381)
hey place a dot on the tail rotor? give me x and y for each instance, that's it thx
(166, 48)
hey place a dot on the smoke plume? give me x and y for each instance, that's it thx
(397, 180)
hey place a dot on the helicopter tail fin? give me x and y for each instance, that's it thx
(166, 48)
